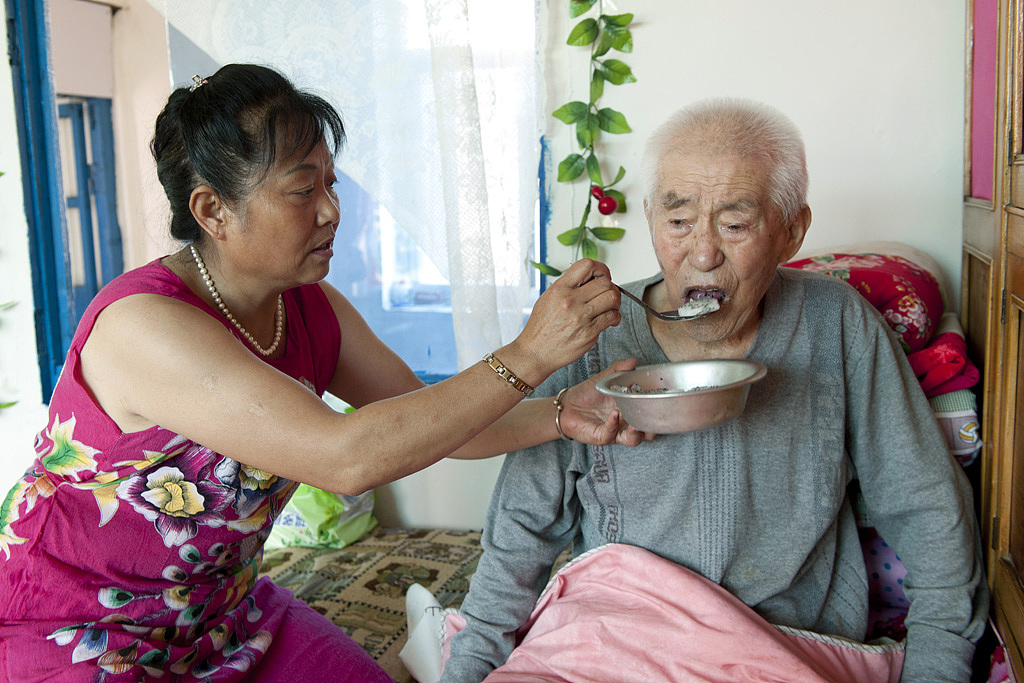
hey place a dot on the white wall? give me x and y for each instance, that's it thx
(142, 82)
(877, 88)
(81, 48)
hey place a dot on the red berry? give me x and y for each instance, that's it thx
(596, 191)
(607, 205)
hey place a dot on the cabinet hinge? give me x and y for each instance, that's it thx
(993, 537)
(1002, 308)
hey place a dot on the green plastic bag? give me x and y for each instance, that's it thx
(322, 519)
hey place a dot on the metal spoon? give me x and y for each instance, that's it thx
(672, 317)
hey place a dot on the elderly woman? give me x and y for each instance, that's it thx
(190, 404)
(758, 507)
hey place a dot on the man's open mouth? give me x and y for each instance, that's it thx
(698, 293)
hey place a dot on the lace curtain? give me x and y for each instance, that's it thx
(439, 98)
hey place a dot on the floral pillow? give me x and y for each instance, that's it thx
(906, 294)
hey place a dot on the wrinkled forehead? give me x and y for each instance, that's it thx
(709, 180)
(742, 203)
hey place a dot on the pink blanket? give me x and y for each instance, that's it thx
(943, 365)
(623, 613)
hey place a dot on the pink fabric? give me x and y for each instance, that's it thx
(624, 613)
(943, 366)
(984, 42)
(906, 295)
(124, 556)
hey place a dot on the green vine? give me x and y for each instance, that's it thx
(603, 34)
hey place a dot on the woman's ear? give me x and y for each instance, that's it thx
(209, 211)
(795, 233)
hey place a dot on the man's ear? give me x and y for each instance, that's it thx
(795, 233)
(209, 211)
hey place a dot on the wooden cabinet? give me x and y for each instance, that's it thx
(992, 295)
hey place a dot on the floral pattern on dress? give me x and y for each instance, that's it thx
(231, 644)
(197, 489)
(179, 498)
(9, 515)
(67, 457)
(252, 487)
(104, 485)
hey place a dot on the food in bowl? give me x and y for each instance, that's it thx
(637, 389)
(684, 396)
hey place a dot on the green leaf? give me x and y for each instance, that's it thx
(572, 112)
(594, 170)
(606, 43)
(617, 72)
(595, 128)
(585, 133)
(596, 86)
(618, 176)
(618, 19)
(622, 39)
(584, 33)
(608, 234)
(570, 237)
(578, 7)
(8, 404)
(619, 197)
(612, 121)
(571, 168)
(589, 249)
(545, 268)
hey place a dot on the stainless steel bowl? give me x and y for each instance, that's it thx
(683, 396)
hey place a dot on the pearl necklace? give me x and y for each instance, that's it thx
(278, 316)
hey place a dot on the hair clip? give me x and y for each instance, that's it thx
(197, 82)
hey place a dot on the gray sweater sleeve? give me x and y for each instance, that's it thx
(531, 519)
(921, 503)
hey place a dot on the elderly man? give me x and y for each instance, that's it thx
(758, 506)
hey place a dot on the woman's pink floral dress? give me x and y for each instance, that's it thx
(135, 556)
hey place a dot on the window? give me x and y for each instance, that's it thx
(394, 285)
(93, 238)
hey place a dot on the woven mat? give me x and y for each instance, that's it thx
(361, 588)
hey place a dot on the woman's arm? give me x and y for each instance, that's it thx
(589, 417)
(155, 360)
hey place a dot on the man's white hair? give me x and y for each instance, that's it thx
(738, 127)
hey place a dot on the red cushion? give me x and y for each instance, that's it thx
(904, 293)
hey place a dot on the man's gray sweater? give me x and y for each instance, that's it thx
(759, 505)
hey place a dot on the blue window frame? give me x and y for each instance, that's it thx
(40, 164)
(66, 274)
